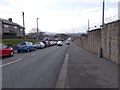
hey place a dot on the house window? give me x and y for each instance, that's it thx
(6, 26)
(21, 29)
(15, 27)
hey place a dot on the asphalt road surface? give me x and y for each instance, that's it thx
(37, 69)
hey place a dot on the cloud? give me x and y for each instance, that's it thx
(58, 15)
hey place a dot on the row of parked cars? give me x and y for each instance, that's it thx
(27, 46)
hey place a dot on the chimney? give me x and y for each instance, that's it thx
(10, 19)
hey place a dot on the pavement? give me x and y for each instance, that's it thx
(87, 70)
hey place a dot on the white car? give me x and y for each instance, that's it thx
(67, 42)
(39, 45)
(59, 43)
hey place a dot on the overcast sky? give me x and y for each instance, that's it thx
(58, 15)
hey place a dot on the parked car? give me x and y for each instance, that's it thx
(59, 43)
(51, 43)
(54, 42)
(6, 50)
(25, 46)
(47, 43)
(67, 42)
(39, 45)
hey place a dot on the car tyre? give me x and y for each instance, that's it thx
(11, 53)
(34, 49)
(28, 50)
(18, 51)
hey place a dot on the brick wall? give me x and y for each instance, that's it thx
(106, 38)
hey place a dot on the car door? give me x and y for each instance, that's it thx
(5, 50)
(30, 46)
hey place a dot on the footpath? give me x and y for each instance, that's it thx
(86, 70)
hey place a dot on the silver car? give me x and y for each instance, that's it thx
(59, 43)
(39, 45)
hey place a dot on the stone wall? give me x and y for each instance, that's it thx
(105, 39)
(94, 40)
(109, 39)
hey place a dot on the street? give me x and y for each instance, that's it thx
(37, 69)
(59, 44)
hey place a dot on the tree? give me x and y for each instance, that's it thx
(34, 30)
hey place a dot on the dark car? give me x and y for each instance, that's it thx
(25, 46)
(6, 50)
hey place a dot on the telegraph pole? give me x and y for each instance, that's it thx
(37, 26)
(23, 24)
(100, 49)
(88, 24)
(103, 13)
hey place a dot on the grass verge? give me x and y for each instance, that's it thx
(14, 42)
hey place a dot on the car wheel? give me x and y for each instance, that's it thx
(28, 50)
(18, 51)
(34, 49)
(11, 53)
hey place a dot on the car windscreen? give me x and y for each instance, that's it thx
(37, 43)
(22, 43)
(3, 46)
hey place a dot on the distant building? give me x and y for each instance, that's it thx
(9, 29)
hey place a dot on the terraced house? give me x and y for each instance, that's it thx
(9, 29)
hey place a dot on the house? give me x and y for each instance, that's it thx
(9, 29)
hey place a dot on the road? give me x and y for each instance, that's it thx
(37, 69)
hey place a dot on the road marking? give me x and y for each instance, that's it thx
(63, 73)
(10, 63)
(34, 54)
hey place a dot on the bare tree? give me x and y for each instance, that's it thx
(33, 30)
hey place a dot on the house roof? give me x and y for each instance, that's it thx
(9, 22)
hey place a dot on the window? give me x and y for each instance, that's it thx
(15, 27)
(6, 26)
(21, 29)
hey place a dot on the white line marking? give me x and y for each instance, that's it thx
(34, 54)
(10, 63)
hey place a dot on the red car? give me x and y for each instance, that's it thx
(6, 50)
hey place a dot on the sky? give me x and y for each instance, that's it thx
(59, 16)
